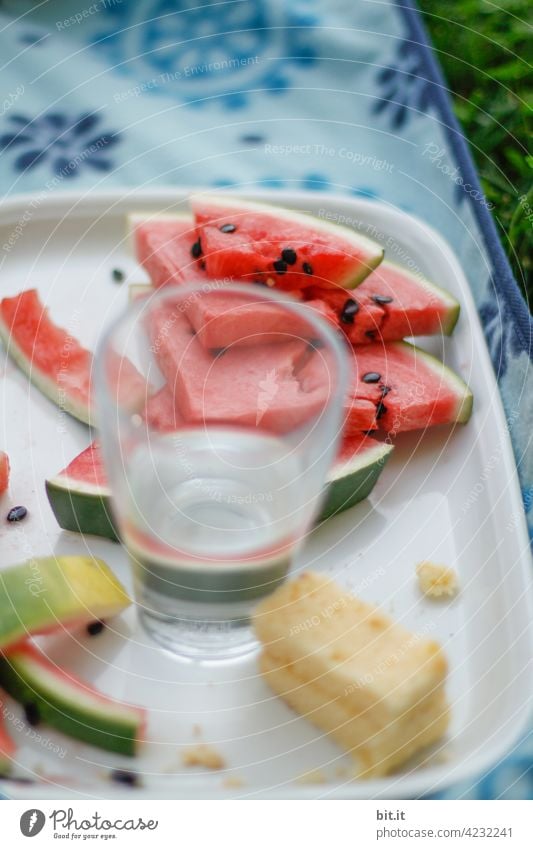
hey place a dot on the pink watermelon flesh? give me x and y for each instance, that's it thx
(222, 319)
(245, 240)
(413, 390)
(4, 471)
(256, 387)
(87, 467)
(415, 308)
(359, 414)
(161, 411)
(163, 248)
(56, 362)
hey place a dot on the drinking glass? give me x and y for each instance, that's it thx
(219, 408)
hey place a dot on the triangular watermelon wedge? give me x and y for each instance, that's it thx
(80, 496)
(269, 243)
(55, 361)
(390, 304)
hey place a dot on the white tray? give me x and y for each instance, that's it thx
(451, 496)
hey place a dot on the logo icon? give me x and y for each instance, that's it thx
(32, 822)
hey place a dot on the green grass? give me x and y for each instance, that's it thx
(484, 48)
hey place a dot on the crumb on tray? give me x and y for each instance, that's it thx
(436, 580)
(203, 755)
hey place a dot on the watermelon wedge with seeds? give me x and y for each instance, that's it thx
(390, 304)
(60, 699)
(411, 389)
(256, 241)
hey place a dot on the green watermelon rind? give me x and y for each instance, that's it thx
(374, 252)
(50, 593)
(86, 508)
(351, 481)
(80, 507)
(71, 707)
(46, 385)
(452, 305)
(465, 398)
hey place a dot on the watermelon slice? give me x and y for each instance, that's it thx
(7, 749)
(257, 388)
(268, 243)
(390, 304)
(163, 246)
(81, 498)
(4, 472)
(54, 361)
(410, 388)
(65, 702)
(222, 319)
(54, 593)
(357, 468)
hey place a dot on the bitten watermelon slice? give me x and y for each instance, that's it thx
(163, 246)
(4, 471)
(54, 593)
(53, 360)
(81, 498)
(390, 304)
(261, 242)
(60, 699)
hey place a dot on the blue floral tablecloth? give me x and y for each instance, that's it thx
(342, 96)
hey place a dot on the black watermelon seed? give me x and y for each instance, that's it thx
(117, 275)
(349, 311)
(202, 264)
(288, 255)
(380, 410)
(371, 377)
(124, 776)
(382, 299)
(370, 334)
(31, 712)
(94, 628)
(17, 514)
(384, 390)
(196, 249)
(280, 266)
(307, 269)
(228, 228)
(252, 138)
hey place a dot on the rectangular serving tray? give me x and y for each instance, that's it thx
(450, 495)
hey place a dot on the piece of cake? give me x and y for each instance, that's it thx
(375, 687)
